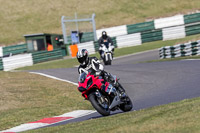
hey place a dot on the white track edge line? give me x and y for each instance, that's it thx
(53, 77)
(28, 126)
(88, 113)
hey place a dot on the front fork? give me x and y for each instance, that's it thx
(101, 99)
(115, 83)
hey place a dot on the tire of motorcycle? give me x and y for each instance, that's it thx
(105, 63)
(109, 63)
(97, 106)
(127, 106)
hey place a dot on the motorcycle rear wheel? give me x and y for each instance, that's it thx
(127, 106)
(97, 106)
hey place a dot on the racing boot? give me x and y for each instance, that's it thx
(122, 93)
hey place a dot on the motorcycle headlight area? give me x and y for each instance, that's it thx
(81, 89)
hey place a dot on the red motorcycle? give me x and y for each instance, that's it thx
(90, 86)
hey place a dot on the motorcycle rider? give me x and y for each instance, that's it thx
(93, 65)
(104, 40)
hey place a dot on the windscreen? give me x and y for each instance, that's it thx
(82, 77)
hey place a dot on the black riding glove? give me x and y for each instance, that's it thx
(103, 74)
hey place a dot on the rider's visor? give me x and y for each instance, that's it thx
(81, 60)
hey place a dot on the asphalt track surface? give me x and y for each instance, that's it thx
(148, 84)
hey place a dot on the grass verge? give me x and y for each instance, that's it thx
(179, 117)
(28, 97)
(26, 17)
(66, 63)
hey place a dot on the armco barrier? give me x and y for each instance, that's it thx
(113, 31)
(174, 27)
(1, 64)
(169, 21)
(15, 49)
(192, 18)
(16, 61)
(42, 56)
(1, 51)
(151, 36)
(159, 29)
(192, 29)
(180, 50)
(140, 27)
(129, 40)
(87, 45)
(173, 32)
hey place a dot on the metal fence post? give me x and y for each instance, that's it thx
(64, 29)
(94, 27)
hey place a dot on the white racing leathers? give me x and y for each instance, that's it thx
(93, 66)
(106, 53)
(106, 49)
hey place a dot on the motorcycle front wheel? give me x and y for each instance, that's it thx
(95, 101)
(109, 62)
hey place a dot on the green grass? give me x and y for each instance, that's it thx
(179, 117)
(28, 97)
(67, 63)
(20, 17)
